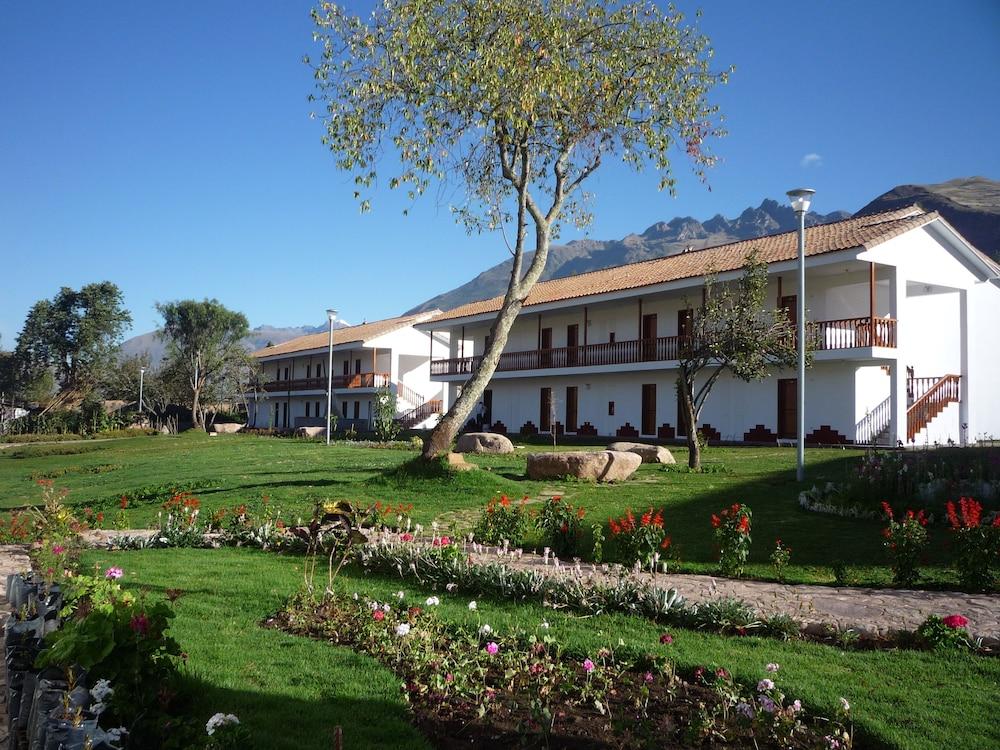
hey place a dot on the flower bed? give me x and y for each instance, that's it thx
(476, 686)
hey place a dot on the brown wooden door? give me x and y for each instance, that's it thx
(791, 307)
(487, 407)
(571, 408)
(649, 409)
(545, 344)
(572, 342)
(649, 336)
(545, 411)
(681, 428)
(787, 401)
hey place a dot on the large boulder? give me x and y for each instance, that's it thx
(226, 428)
(310, 432)
(483, 442)
(598, 466)
(651, 454)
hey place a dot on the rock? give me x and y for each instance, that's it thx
(226, 428)
(164, 430)
(483, 442)
(651, 454)
(599, 466)
(457, 462)
(310, 432)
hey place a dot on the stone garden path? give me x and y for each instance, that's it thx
(872, 611)
(13, 559)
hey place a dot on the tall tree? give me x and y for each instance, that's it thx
(518, 102)
(204, 339)
(75, 335)
(730, 331)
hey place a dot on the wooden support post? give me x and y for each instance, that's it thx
(779, 291)
(461, 345)
(871, 303)
(585, 323)
(639, 335)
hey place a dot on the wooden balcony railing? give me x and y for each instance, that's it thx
(357, 380)
(934, 400)
(822, 335)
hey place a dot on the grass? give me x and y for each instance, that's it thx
(291, 691)
(229, 470)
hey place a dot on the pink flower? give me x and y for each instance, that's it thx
(492, 648)
(449, 677)
(113, 573)
(58, 549)
(648, 677)
(666, 639)
(955, 621)
(772, 667)
(588, 666)
(765, 684)
(378, 615)
(140, 624)
(406, 537)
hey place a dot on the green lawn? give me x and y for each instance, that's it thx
(291, 691)
(228, 470)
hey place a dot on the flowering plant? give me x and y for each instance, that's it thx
(906, 540)
(502, 521)
(381, 515)
(639, 541)
(976, 545)
(732, 532)
(560, 525)
(944, 632)
(779, 559)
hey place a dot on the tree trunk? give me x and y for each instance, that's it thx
(690, 422)
(196, 417)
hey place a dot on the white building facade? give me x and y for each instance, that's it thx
(366, 358)
(900, 311)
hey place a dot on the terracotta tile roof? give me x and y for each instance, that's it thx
(861, 231)
(350, 334)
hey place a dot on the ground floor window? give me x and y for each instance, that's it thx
(307, 410)
(357, 407)
(571, 408)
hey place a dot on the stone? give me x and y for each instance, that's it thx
(651, 454)
(483, 442)
(164, 430)
(597, 466)
(310, 432)
(226, 428)
(457, 462)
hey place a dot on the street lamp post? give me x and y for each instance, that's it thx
(801, 198)
(331, 316)
(142, 371)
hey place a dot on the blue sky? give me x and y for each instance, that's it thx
(168, 148)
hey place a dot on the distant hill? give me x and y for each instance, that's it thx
(970, 204)
(659, 240)
(259, 338)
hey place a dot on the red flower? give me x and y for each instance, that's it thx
(955, 621)
(744, 525)
(406, 537)
(716, 521)
(887, 509)
(666, 639)
(140, 624)
(721, 673)
(615, 528)
(665, 543)
(123, 503)
(647, 517)
(504, 501)
(378, 615)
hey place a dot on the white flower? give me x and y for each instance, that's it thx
(485, 630)
(102, 689)
(220, 720)
(373, 606)
(772, 667)
(386, 608)
(115, 734)
(796, 705)
(98, 708)
(544, 625)
(765, 684)
(355, 596)
(402, 629)
(473, 605)
(400, 595)
(451, 586)
(432, 601)
(844, 704)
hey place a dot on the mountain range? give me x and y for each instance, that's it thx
(970, 204)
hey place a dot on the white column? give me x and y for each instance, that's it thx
(897, 387)
(963, 386)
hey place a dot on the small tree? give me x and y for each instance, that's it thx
(730, 331)
(385, 424)
(204, 342)
(519, 101)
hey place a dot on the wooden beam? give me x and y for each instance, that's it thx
(639, 334)
(871, 303)
(779, 291)
(585, 321)
(461, 345)
(539, 347)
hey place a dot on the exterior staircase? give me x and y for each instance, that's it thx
(930, 403)
(420, 413)
(927, 398)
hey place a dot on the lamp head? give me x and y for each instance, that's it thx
(142, 370)
(331, 315)
(801, 198)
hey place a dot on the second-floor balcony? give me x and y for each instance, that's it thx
(357, 380)
(823, 335)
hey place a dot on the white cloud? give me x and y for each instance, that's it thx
(811, 160)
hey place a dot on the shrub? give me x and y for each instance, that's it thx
(732, 532)
(906, 540)
(976, 546)
(942, 633)
(639, 542)
(560, 525)
(502, 521)
(779, 559)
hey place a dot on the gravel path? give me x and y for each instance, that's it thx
(874, 611)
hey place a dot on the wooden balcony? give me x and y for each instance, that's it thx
(358, 380)
(824, 335)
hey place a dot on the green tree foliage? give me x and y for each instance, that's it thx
(730, 331)
(75, 336)
(517, 103)
(204, 349)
